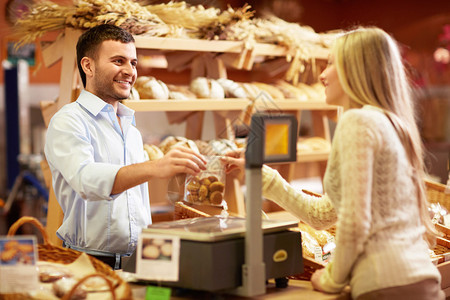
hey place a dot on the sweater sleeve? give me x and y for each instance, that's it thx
(315, 211)
(354, 147)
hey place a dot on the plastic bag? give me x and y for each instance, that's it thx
(208, 187)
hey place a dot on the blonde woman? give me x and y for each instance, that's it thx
(373, 184)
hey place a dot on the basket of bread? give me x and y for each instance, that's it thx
(438, 193)
(185, 211)
(68, 274)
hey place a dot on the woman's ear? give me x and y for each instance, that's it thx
(88, 66)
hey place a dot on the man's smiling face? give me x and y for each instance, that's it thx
(114, 71)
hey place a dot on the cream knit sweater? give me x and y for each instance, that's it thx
(370, 194)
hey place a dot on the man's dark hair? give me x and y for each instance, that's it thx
(90, 40)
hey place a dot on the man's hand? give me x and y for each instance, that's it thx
(179, 160)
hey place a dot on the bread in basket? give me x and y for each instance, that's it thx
(47, 252)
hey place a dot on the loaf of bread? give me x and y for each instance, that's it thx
(291, 91)
(309, 245)
(207, 88)
(251, 90)
(149, 87)
(180, 92)
(171, 142)
(153, 152)
(272, 90)
(232, 89)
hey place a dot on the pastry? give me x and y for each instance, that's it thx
(216, 198)
(205, 181)
(65, 285)
(207, 88)
(212, 178)
(151, 88)
(273, 91)
(51, 273)
(153, 152)
(232, 89)
(203, 193)
(216, 186)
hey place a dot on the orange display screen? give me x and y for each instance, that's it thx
(277, 139)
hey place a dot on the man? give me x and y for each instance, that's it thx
(96, 154)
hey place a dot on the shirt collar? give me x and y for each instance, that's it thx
(95, 105)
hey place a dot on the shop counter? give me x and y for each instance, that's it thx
(297, 289)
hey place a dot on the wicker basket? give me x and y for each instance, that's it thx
(51, 253)
(184, 211)
(436, 194)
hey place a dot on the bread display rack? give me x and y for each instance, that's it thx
(242, 58)
(236, 54)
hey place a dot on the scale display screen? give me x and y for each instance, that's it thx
(272, 139)
(277, 139)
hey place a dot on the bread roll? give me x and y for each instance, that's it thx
(309, 245)
(310, 91)
(134, 94)
(252, 90)
(292, 90)
(151, 88)
(172, 142)
(179, 92)
(232, 89)
(273, 91)
(217, 91)
(207, 88)
(153, 152)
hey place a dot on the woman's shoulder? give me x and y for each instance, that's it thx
(367, 112)
(370, 116)
(366, 121)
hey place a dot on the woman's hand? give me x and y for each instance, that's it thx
(179, 160)
(233, 160)
(315, 280)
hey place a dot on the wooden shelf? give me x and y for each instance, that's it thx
(55, 51)
(294, 104)
(187, 105)
(178, 44)
(225, 104)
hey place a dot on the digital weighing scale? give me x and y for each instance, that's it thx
(238, 255)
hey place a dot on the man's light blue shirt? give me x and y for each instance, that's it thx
(85, 148)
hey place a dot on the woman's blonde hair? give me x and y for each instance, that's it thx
(371, 72)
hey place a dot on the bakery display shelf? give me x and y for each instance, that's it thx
(55, 50)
